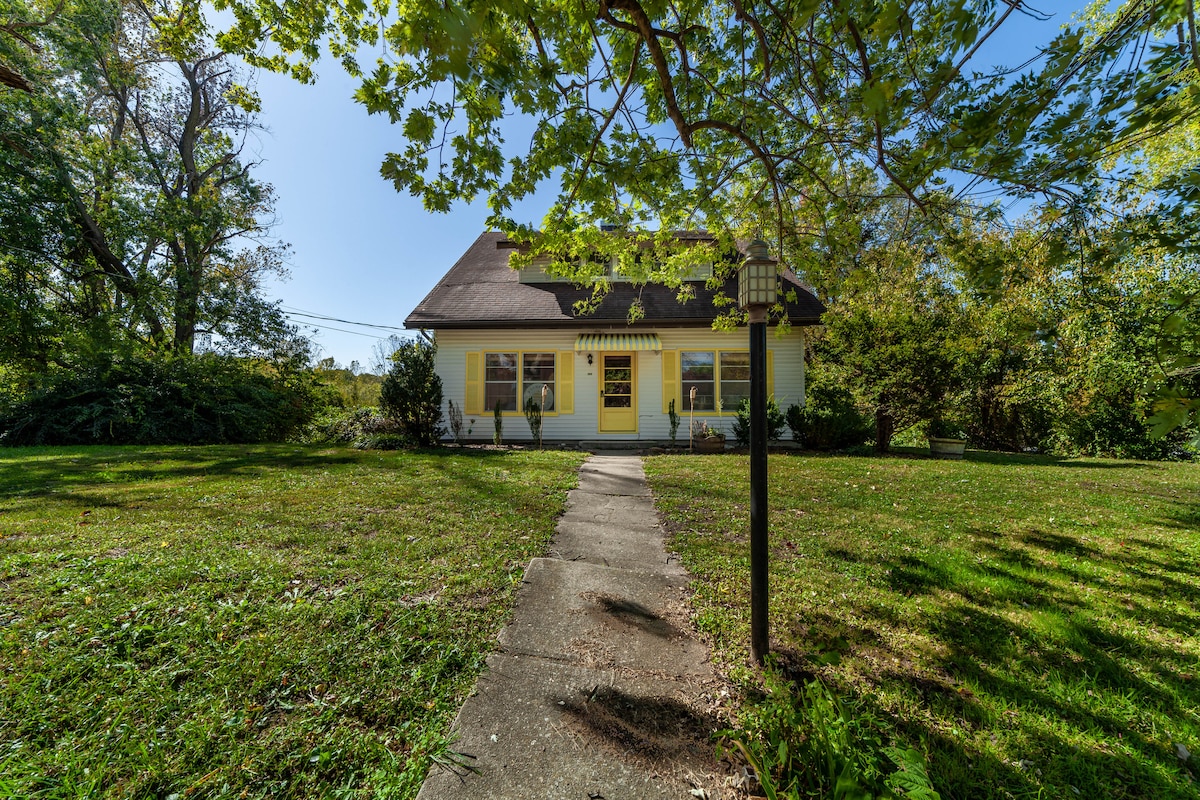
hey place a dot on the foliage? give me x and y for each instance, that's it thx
(169, 400)
(768, 111)
(533, 415)
(498, 424)
(255, 621)
(741, 423)
(456, 420)
(673, 418)
(1026, 622)
(1068, 360)
(899, 357)
(383, 441)
(347, 426)
(702, 430)
(828, 420)
(130, 219)
(354, 387)
(411, 393)
(942, 428)
(806, 742)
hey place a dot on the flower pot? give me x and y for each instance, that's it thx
(947, 448)
(709, 444)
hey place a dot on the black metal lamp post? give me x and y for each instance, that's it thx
(757, 292)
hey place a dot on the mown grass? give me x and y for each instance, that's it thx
(1030, 624)
(273, 621)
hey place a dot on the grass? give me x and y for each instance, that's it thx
(1030, 624)
(275, 621)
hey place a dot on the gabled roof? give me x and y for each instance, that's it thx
(482, 291)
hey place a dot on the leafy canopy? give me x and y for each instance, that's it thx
(738, 116)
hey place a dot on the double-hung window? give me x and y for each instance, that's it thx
(510, 379)
(723, 375)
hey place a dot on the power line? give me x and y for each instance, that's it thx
(340, 330)
(293, 311)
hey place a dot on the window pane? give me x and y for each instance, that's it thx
(500, 381)
(500, 366)
(697, 372)
(732, 394)
(696, 366)
(735, 367)
(734, 379)
(537, 369)
(506, 393)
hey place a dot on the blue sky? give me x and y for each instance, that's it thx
(366, 253)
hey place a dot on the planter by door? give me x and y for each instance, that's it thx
(947, 448)
(714, 444)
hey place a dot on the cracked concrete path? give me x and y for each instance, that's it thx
(599, 689)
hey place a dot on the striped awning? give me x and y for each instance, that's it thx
(609, 342)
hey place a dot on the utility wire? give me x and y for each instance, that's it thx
(292, 311)
(340, 330)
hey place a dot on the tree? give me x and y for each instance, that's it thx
(754, 117)
(130, 219)
(734, 115)
(411, 393)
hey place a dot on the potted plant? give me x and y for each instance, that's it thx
(707, 439)
(947, 438)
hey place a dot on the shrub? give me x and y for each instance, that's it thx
(674, 420)
(741, 423)
(352, 426)
(498, 422)
(829, 421)
(206, 399)
(533, 415)
(411, 393)
(456, 421)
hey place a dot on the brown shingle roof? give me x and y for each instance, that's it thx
(482, 291)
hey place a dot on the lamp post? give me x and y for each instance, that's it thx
(757, 292)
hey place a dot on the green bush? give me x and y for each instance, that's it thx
(411, 394)
(741, 423)
(351, 426)
(829, 420)
(207, 399)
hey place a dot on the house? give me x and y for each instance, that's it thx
(502, 334)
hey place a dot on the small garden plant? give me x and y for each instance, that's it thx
(673, 418)
(533, 415)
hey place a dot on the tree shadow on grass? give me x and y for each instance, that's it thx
(1037, 664)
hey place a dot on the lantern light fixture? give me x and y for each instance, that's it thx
(758, 279)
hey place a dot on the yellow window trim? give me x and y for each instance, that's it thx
(483, 354)
(717, 377)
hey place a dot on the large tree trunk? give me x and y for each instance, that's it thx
(885, 428)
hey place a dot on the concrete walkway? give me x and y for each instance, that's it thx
(599, 689)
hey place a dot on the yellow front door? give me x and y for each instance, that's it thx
(618, 393)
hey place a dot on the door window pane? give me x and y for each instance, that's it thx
(697, 372)
(618, 381)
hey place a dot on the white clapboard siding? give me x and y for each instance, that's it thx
(583, 425)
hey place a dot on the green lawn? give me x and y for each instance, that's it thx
(1032, 625)
(274, 621)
